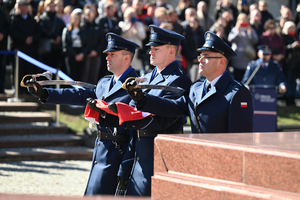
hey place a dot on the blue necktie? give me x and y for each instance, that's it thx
(206, 90)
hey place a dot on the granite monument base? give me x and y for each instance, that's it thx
(227, 166)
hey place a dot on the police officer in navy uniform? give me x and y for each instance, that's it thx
(111, 157)
(218, 104)
(164, 46)
(269, 72)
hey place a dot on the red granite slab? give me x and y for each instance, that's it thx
(187, 156)
(179, 186)
(268, 160)
(272, 171)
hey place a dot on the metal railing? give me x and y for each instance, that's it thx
(59, 74)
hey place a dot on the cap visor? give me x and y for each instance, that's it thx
(206, 49)
(153, 44)
(110, 50)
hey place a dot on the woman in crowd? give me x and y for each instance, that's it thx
(40, 11)
(273, 40)
(75, 46)
(243, 39)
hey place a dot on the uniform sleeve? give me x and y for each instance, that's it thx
(69, 96)
(241, 112)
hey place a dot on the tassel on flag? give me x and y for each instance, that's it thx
(244, 105)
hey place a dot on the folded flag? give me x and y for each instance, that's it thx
(125, 112)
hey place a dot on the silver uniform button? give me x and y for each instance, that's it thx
(95, 163)
(98, 143)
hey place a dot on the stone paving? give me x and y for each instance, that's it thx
(62, 178)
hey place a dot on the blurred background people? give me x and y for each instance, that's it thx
(189, 12)
(181, 8)
(291, 61)
(173, 19)
(92, 61)
(67, 13)
(255, 22)
(226, 5)
(75, 47)
(269, 73)
(40, 11)
(194, 38)
(271, 38)
(243, 39)
(285, 15)
(52, 27)
(107, 23)
(204, 18)
(159, 16)
(134, 30)
(25, 33)
(265, 14)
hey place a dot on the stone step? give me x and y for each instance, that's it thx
(4, 97)
(24, 117)
(46, 153)
(173, 185)
(18, 106)
(40, 140)
(266, 160)
(22, 129)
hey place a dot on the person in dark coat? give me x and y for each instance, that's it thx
(269, 73)
(25, 33)
(52, 27)
(107, 24)
(194, 35)
(111, 159)
(218, 104)
(265, 14)
(93, 59)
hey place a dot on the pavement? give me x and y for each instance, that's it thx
(59, 178)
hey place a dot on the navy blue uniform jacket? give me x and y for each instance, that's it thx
(140, 180)
(227, 107)
(272, 76)
(107, 160)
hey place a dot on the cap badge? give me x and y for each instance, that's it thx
(208, 36)
(109, 37)
(151, 30)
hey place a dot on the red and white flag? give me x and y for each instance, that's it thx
(125, 112)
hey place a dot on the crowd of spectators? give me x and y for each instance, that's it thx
(77, 29)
